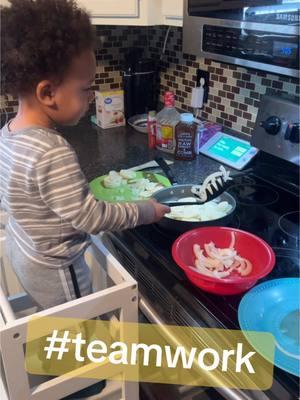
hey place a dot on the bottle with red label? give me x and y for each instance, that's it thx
(151, 128)
(167, 119)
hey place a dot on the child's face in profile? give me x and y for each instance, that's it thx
(73, 95)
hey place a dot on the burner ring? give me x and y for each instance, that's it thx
(288, 221)
(254, 195)
(244, 180)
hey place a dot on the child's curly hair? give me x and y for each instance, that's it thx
(39, 39)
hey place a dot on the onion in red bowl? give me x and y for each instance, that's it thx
(247, 245)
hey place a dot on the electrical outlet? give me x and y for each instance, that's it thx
(205, 75)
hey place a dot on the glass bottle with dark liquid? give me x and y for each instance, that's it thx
(185, 134)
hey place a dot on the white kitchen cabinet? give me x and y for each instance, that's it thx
(124, 12)
(172, 12)
(132, 12)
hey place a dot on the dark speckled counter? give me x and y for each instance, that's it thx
(100, 151)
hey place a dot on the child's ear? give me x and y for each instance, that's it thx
(45, 93)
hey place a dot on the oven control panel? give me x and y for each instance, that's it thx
(277, 128)
(260, 46)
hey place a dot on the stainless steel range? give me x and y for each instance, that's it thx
(268, 206)
(277, 128)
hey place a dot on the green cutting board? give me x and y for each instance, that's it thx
(123, 193)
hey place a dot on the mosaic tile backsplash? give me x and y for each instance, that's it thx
(112, 43)
(234, 92)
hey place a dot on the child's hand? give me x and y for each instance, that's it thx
(151, 211)
(160, 210)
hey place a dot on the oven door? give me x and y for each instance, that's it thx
(156, 391)
(264, 36)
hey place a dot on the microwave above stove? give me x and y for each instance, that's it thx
(260, 34)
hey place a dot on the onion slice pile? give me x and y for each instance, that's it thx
(220, 263)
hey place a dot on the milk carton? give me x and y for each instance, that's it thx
(110, 108)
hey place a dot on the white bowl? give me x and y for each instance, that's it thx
(138, 122)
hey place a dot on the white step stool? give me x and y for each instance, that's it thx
(114, 291)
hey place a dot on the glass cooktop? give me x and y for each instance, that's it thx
(268, 211)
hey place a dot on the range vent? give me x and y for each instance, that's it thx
(145, 279)
(164, 299)
(181, 318)
(128, 263)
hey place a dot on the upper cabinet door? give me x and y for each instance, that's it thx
(123, 12)
(132, 12)
(111, 8)
(172, 12)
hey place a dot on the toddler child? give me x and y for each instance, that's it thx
(49, 63)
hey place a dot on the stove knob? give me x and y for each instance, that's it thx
(293, 132)
(272, 125)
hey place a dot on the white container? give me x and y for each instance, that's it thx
(110, 108)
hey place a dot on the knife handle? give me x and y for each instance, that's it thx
(167, 170)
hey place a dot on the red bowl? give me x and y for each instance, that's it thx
(249, 246)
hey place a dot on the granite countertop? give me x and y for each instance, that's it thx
(101, 150)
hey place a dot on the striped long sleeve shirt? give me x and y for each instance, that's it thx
(50, 207)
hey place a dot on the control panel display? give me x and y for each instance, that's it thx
(229, 150)
(285, 49)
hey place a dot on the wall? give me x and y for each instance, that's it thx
(235, 92)
(113, 43)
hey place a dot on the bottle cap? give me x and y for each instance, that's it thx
(169, 99)
(151, 113)
(187, 117)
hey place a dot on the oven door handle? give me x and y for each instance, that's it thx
(148, 311)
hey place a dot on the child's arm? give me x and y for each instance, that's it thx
(65, 190)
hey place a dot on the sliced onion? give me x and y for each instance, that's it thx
(247, 270)
(232, 243)
(202, 269)
(197, 251)
(223, 274)
(219, 263)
